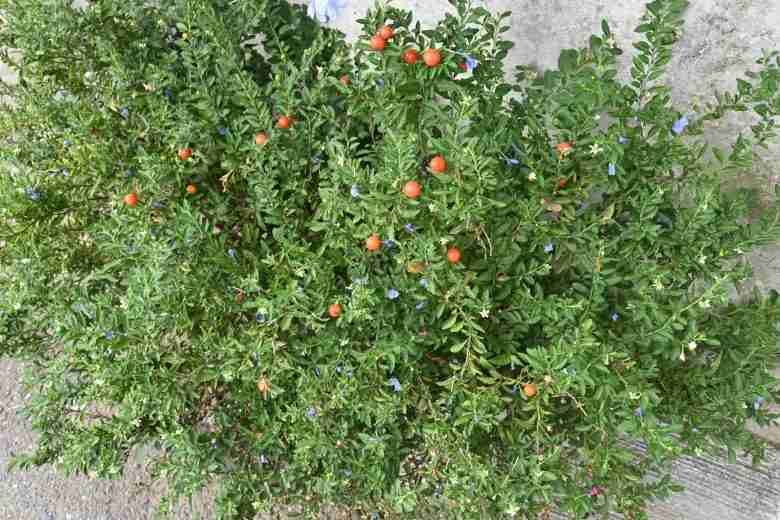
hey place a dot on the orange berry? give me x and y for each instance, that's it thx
(438, 164)
(373, 243)
(453, 255)
(378, 43)
(412, 189)
(432, 57)
(131, 199)
(192, 189)
(284, 122)
(185, 153)
(261, 138)
(386, 32)
(564, 148)
(334, 310)
(529, 390)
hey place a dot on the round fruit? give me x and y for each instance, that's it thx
(344, 80)
(412, 189)
(185, 153)
(529, 390)
(453, 255)
(378, 43)
(410, 56)
(438, 164)
(432, 57)
(563, 148)
(261, 138)
(386, 32)
(562, 183)
(192, 189)
(284, 122)
(373, 243)
(334, 310)
(131, 199)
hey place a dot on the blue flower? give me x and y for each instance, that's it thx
(758, 402)
(615, 316)
(222, 131)
(130, 173)
(338, 368)
(260, 317)
(639, 412)
(325, 10)
(380, 83)
(109, 335)
(232, 253)
(347, 472)
(67, 142)
(511, 162)
(679, 125)
(124, 112)
(158, 204)
(395, 383)
(317, 371)
(471, 64)
(311, 412)
(355, 191)
(33, 194)
(168, 93)
(420, 306)
(389, 244)
(548, 248)
(424, 282)
(392, 294)
(65, 172)
(263, 459)
(409, 228)
(611, 169)
(623, 140)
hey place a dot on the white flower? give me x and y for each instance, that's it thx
(692, 346)
(525, 131)
(702, 259)
(658, 284)
(485, 313)
(595, 149)
(610, 41)
(705, 304)
(682, 356)
(597, 117)
(532, 176)
(325, 10)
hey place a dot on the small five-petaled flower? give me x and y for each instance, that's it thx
(392, 294)
(395, 383)
(325, 10)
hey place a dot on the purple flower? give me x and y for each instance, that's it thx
(311, 412)
(623, 140)
(596, 491)
(222, 131)
(471, 64)
(679, 125)
(325, 10)
(355, 191)
(232, 253)
(395, 383)
(65, 172)
(124, 112)
(548, 248)
(409, 228)
(615, 316)
(611, 169)
(260, 317)
(424, 282)
(420, 306)
(639, 412)
(109, 335)
(392, 294)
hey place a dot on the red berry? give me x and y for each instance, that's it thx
(453, 255)
(410, 56)
(185, 153)
(386, 32)
(284, 122)
(261, 138)
(529, 390)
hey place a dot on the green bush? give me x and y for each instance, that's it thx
(589, 307)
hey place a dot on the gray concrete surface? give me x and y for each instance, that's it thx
(722, 39)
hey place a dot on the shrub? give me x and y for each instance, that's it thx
(209, 244)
